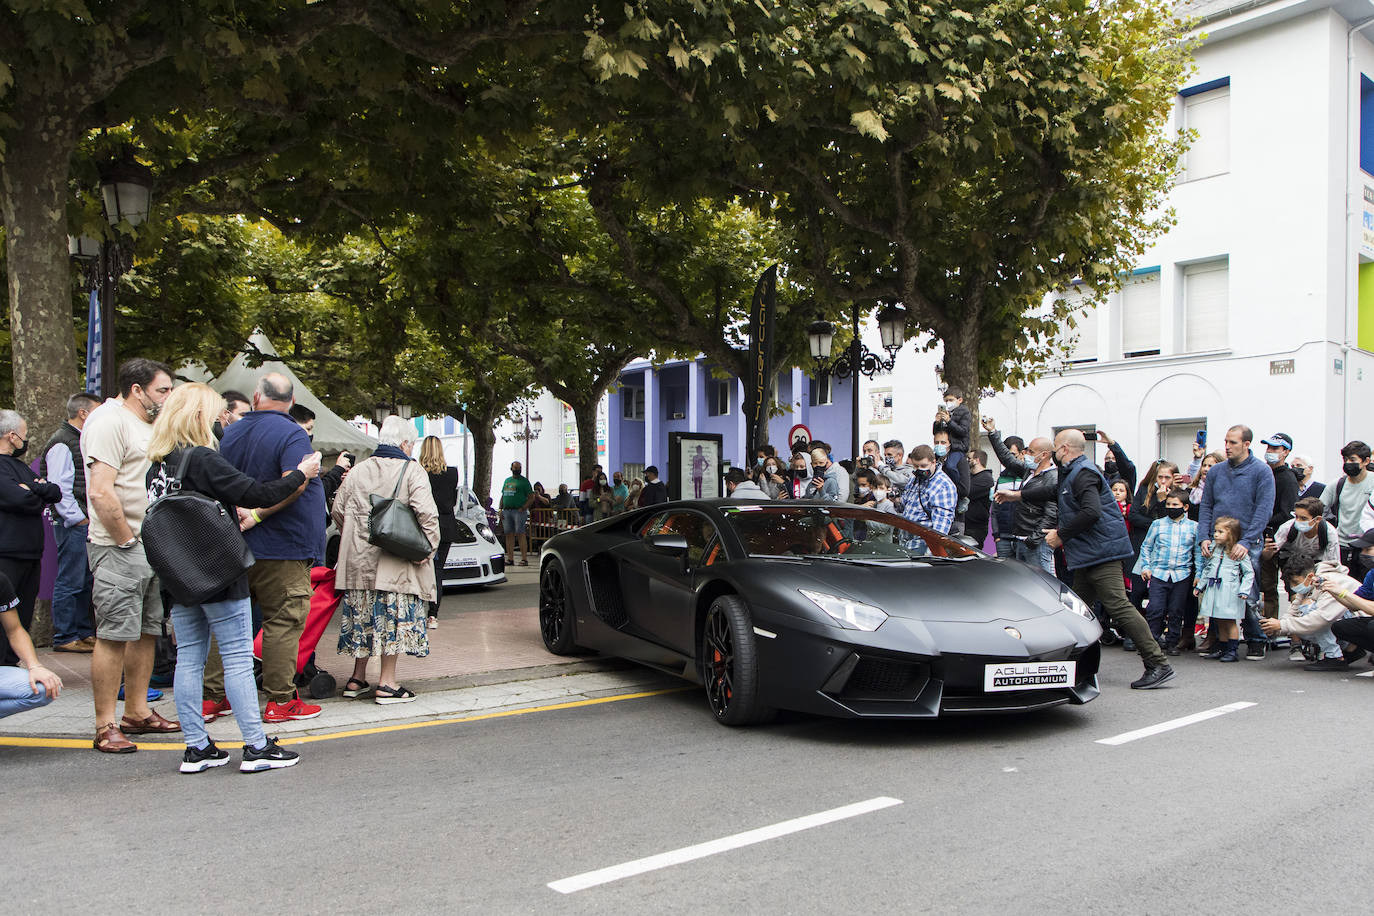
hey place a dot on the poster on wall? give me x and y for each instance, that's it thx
(880, 400)
(569, 433)
(694, 465)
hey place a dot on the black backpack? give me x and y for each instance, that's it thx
(192, 542)
(1333, 511)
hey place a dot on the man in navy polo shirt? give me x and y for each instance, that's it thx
(287, 539)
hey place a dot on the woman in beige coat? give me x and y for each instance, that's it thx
(385, 598)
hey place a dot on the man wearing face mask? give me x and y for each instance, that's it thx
(1036, 501)
(23, 497)
(895, 469)
(1346, 499)
(930, 498)
(1306, 472)
(955, 466)
(825, 480)
(124, 591)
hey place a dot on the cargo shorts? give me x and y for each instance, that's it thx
(124, 593)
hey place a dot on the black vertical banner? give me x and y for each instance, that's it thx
(761, 315)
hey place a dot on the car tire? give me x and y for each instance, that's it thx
(729, 664)
(555, 610)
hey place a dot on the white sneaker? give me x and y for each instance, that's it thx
(1295, 655)
(434, 623)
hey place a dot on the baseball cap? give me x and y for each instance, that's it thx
(1280, 440)
(1364, 540)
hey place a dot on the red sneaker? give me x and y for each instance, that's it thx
(210, 710)
(289, 712)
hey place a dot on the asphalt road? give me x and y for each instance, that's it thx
(1265, 809)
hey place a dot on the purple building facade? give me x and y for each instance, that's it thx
(684, 396)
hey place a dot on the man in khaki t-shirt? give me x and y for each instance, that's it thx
(124, 592)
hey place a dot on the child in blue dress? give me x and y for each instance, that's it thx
(1223, 588)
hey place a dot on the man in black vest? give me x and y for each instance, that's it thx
(1095, 541)
(73, 629)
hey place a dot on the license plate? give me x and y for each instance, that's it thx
(1028, 676)
(453, 562)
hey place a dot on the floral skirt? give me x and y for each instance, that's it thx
(373, 623)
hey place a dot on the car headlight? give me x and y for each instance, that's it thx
(486, 534)
(850, 614)
(1070, 601)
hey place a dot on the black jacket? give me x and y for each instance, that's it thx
(979, 504)
(445, 489)
(958, 425)
(1285, 495)
(654, 492)
(1039, 506)
(1141, 517)
(22, 500)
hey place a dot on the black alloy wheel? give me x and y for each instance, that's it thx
(729, 663)
(555, 615)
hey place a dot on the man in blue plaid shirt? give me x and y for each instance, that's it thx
(930, 498)
(1168, 558)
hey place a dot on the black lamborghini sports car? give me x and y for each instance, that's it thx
(817, 607)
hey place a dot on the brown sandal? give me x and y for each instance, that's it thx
(153, 725)
(110, 740)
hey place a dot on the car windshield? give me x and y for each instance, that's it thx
(837, 532)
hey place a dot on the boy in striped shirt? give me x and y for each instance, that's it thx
(1168, 558)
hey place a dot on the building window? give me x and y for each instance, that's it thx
(718, 398)
(1140, 315)
(1207, 112)
(822, 390)
(1084, 332)
(1089, 431)
(675, 403)
(1206, 304)
(632, 402)
(1176, 439)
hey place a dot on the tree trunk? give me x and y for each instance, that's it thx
(33, 194)
(483, 444)
(584, 413)
(961, 368)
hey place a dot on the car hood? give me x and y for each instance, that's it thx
(966, 592)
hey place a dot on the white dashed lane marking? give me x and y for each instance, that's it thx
(1127, 737)
(724, 844)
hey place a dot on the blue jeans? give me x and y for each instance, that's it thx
(230, 621)
(15, 695)
(1041, 555)
(71, 590)
(1006, 548)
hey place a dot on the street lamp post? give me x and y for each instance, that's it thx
(127, 189)
(534, 425)
(858, 359)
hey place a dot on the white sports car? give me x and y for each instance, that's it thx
(475, 557)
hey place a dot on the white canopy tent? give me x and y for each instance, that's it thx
(333, 434)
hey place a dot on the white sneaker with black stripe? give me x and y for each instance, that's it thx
(268, 757)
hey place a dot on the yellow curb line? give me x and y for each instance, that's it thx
(83, 744)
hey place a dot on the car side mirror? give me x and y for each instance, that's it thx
(670, 545)
(968, 541)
